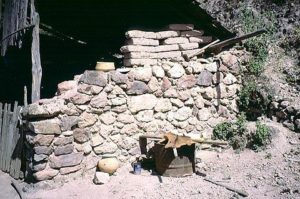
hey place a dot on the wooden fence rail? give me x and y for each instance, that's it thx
(11, 140)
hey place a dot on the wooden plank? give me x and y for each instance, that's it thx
(35, 56)
(7, 140)
(2, 155)
(1, 144)
(14, 140)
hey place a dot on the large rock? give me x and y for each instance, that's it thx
(158, 71)
(176, 71)
(99, 101)
(142, 73)
(205, 78)
(204, 114)
(108, 118)
(67, 122)
(129, 129)
(43, 140)
(163, 105)
(101, 178)
(63, 150)
(86, 120)
(125, 118)
(66, 86)
(43, 108)
(80, 135)
(137, 88)
(80, 99)
(186, 81)
(144, 116)
(118, 77)
(67, 170)
(45, 174)
(43, 150)
(106, 148)
(46, 127)
(97, 78)
(69, 160)
(143, 102)
(183, 114)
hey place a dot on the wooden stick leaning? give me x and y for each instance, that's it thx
(240, 192)
(199, 51)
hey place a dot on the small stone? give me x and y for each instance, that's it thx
(63, 150)
(66, 86)
(208, 93)
(80, 135)
(125, 118)
(176, 71)
(184, 95)
(204, 114)
(205, 78)
(158, 71)
(137, 88)
(69, 160)
(89, 89)
(99, 101)
(183, 114)
(96, 140)
(199, 102)
(177, 102)
(101, 178)
(119, 109)
(197, 67)
(170, 93)
(68, 122)
(43, 150)
(39, 158)
(229, 79)
(118, 101)
(166, 84)
(39, 167)
(163, 105)
(45, 174)
(153, 84)
(46, 127)
(211, 67)
(97, 78)
(284, 104)
(297, 124)
(108, 118)
(87, 149)
(144, 116)
(63, 141)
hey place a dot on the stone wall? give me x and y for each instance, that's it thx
(149, 47)
(100, 113)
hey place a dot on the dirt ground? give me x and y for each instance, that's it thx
(273, 173)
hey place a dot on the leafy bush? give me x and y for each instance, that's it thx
(252, 21)
(223, 131)
(261, 137)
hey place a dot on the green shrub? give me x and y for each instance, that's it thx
(261, 137)
(223, 131)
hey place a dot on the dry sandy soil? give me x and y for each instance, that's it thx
(273, 173)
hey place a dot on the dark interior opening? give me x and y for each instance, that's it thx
(101, 25)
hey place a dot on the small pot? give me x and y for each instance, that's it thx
(108, 165)
(105, 66)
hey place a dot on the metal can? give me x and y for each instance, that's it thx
(137, 168)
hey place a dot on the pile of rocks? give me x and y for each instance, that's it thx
(144, 48)
(287, 113)
(100, 113)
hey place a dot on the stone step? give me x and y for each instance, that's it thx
(139, 48)
(176, 40)
(201, 39)
(143, 42)
(139, 62)
(188, 46)
(181, 27)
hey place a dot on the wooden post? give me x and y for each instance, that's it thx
(35, 56)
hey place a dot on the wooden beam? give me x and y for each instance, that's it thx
(35, 56)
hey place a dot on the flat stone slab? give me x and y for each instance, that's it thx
(65, 160)
(181, 26)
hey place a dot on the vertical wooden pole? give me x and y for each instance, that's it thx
(35, 56)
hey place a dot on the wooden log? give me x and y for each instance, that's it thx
(7, 141)
(3, 140)
(35, 56)
(1, 135)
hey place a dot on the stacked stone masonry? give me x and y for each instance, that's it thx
(101, 113)
(147, 48)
